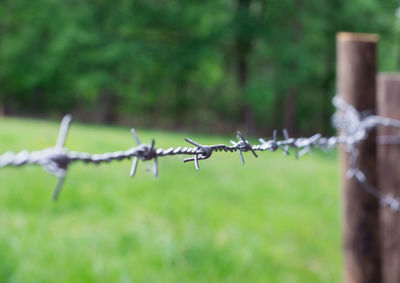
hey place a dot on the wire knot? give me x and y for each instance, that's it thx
(148, 152)
(274, 141)
(203, 152)
(60, 159)
(243, 145)
(392, 202)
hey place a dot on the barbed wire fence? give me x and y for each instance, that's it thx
(353, 126)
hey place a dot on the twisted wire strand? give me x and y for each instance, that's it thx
(353, 128)
(56, 155)
(56, 160)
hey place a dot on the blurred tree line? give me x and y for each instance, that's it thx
(201, 64)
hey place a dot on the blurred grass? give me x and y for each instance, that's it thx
(274, 220)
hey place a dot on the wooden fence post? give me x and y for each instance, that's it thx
(388, 175)
(356, 84)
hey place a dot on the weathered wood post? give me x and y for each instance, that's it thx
(388, 104)
(356, 84)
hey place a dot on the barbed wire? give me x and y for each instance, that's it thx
(353, 125)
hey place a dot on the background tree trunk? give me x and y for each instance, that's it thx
(290, 110)
(107, 107)
(243, 48)
(5, 106)
(292, 91)
(180, 103)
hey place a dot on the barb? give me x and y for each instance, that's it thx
(61, 171)
(355, 129)
(353, 125)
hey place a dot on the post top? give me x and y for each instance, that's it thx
(389, 76)
(361, 37)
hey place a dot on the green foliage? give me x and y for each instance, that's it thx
(173, 58)
(224, 223)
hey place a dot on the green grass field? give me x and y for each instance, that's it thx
(275, 219)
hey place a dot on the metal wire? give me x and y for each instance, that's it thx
(354, 129)
(353, 126)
